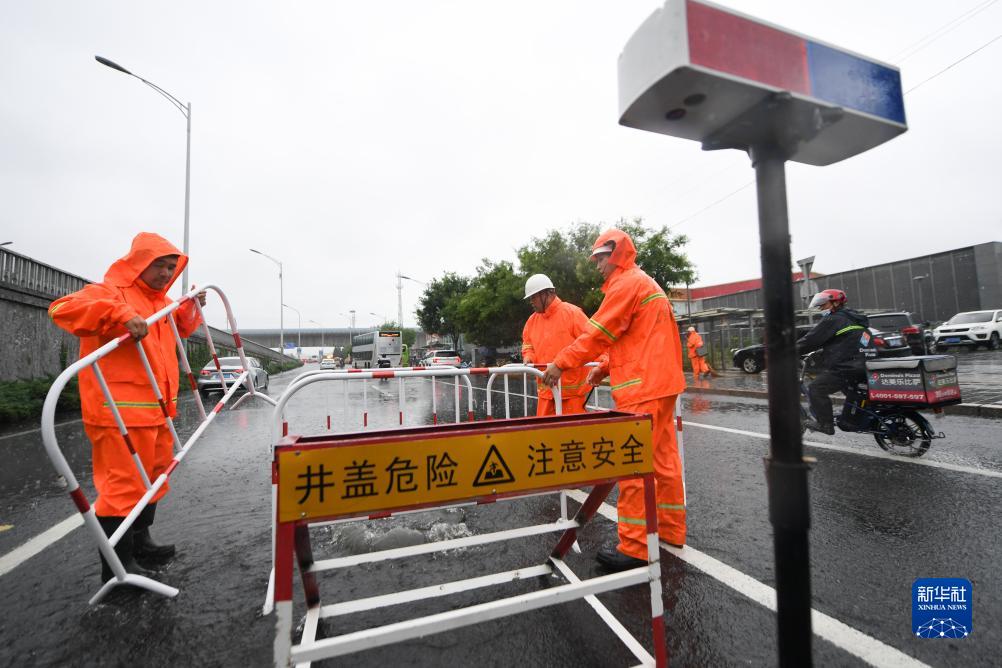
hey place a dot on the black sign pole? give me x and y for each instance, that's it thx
(771, 131)
(786, 471)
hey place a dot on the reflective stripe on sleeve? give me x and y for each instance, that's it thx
(597, 325)
(55, 308)
(656, 295)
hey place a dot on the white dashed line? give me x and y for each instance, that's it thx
(878, 454)
(841, 635)
(19, 555)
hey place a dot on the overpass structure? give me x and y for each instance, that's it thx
(313, 337)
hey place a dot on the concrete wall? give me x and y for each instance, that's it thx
(32, 347)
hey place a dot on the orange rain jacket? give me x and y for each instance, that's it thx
(96, 314)
(693, 342)
(635, 324)
(546, 334)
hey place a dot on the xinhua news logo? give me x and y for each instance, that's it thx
(942, 608)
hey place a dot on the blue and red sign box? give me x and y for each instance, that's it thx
(693, 67)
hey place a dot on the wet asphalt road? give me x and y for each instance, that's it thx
(878, 524)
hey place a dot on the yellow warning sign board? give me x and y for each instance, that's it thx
(342, 479)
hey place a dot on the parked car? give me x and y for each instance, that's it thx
(209, 381)
(971, 328)
(751, 359)
(441, 358)
(328, 364)
(899, 334)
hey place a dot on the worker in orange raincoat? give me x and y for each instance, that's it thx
(134, 288)
(553, 325)
(635, 326)
(693, 343)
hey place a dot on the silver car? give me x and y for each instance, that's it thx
(209, 381)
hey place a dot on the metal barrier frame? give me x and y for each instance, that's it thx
(292, 539)
(106, 544)
(345, 375)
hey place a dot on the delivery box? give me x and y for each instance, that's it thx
(929, 380)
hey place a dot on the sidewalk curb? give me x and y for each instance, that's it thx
(971, 410)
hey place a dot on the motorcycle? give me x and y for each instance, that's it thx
(898, 428)
(384, 363)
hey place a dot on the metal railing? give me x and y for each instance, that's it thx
(23, 273)
(106, 544)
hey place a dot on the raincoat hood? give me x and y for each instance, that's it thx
(625, 253)
(146, 248)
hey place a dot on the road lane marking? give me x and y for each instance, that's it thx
(878, 454)
(841, 635)
(19, 555)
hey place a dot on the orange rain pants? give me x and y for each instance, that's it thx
(568, 405)
(119, 485)
(699, 365)
(668, 485)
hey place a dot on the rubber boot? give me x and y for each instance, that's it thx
(143, 546)
(124, 549)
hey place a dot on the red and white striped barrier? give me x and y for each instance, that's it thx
(106, 544)
(296, 459)
(281, 425)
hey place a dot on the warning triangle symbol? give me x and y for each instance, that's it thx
(494, 470)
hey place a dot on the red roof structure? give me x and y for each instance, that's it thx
(722, 289)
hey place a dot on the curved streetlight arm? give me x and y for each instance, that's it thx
(183, 108)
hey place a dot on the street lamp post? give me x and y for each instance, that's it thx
(400, 298)
(805, 285)
(321, 337)
(186, 110)
(299, 340)
(281, 301)
(919, 279)
(382, 318)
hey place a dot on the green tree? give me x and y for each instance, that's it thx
(492, 312)
(563, 256)
(660, 254)
(408, 334)
(439, 309)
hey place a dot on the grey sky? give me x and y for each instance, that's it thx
(351, 140)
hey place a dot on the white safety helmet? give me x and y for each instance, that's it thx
(537, 283)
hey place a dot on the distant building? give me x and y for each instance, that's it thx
(934, 287)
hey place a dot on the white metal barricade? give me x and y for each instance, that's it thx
(106, 544)
(291, 537)
(346, 376)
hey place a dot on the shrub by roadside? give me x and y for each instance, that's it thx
(22, 400)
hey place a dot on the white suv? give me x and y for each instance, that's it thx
(972, 328)
(441, 358)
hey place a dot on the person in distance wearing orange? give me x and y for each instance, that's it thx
(553, 325)
(693, 343)
(636, 327)
(134, 288)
